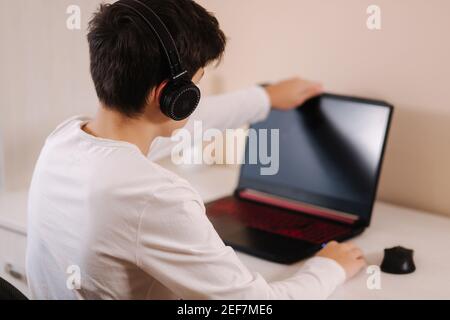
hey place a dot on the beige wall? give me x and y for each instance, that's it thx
(406, 63)
(45, 74)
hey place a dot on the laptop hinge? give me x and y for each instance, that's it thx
(262, 197)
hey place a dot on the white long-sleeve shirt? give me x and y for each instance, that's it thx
(105, 222)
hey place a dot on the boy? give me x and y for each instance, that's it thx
(126, 228)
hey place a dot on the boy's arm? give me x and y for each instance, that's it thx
(225, 111)
(236, 109)
(178, 246)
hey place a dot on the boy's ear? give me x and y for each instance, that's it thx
(157, 91)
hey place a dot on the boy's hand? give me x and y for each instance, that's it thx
(289, 94)
(348, 255)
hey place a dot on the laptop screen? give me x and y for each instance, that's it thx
(330, 154)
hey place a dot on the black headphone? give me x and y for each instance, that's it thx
(181, 96)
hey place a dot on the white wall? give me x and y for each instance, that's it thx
(45, 74)
(45, 78)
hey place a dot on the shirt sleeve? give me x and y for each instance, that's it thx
(178, 246)
(226, 111)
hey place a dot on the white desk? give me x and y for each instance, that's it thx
(428, 235)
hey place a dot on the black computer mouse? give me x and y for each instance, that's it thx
(398, 260)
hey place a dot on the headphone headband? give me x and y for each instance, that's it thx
(161, 32)
(180, 97)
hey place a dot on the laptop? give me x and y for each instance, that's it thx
(330, 155)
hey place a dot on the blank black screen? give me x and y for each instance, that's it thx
(330, 154)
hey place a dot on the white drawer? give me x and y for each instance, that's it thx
(12, 258)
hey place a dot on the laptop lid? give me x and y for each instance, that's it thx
(330, 155)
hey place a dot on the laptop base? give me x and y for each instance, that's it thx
(280, 248)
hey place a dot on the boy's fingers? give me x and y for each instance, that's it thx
(314, 88)
(349, 246)
(353, 245)
(311, 91)
(363, 262)
(357, 253)
(332, 243)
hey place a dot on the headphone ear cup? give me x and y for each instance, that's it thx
(179, 99)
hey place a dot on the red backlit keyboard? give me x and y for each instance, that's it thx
(278, 221)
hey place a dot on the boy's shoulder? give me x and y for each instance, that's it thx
(135, 172)
(67, 125)
(116, 171)
(171, 188)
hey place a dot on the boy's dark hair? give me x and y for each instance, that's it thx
(127, 61)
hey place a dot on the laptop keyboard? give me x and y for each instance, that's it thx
(279, 221)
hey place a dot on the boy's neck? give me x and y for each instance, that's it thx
(109, 124)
